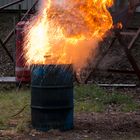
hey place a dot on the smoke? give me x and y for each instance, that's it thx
(80, 54)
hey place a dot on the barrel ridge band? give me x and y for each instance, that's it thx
(52, 108)
(52, 87)
(22, 68)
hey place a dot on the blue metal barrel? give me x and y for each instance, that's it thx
(52, 97)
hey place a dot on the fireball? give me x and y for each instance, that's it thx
(66, 31)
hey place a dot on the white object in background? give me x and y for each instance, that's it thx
(7, 79)
(138, 9)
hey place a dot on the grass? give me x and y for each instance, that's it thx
(10, 104)
(91, 98)
(87, 99)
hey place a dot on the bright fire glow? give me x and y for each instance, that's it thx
(65, 31)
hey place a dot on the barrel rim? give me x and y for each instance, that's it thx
(45, 65)
(52, 86)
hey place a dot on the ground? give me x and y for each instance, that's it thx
(100, 114)
(90, 126)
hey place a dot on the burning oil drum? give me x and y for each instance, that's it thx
(22, 71)
(52, 97)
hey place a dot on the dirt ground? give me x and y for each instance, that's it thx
(109, 125)
(89, 126)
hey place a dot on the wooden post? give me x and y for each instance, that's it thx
(133, 3)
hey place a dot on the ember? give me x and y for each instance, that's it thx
(65, 32)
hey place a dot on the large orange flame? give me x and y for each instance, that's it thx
(65, 31)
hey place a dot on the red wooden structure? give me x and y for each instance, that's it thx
(22, 71)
